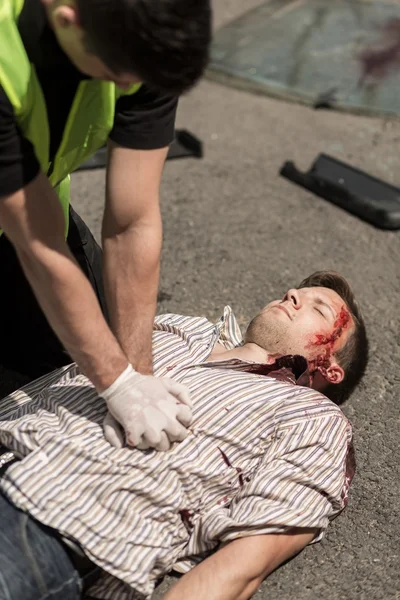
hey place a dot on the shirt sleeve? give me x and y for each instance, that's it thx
(145, 120)
(303, 484)
(18, 163)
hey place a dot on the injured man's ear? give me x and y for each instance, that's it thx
(265, 466)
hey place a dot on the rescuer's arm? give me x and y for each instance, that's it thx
(132, 238)
(33, 220)
(143, 129)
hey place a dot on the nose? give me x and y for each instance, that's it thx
(294, 298)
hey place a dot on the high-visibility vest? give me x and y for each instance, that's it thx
(90, 119)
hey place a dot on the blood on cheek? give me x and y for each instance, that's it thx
(322, 361)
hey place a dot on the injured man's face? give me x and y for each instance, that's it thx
(313, 322)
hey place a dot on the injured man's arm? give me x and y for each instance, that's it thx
(236, 571)
(265, 467)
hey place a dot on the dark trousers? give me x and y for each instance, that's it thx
(28, 346)
(34, 563)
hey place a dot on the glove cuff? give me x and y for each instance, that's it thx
(126, 375)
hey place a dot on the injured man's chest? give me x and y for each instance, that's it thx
(265, 454)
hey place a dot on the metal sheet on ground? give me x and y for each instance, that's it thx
(307, 52)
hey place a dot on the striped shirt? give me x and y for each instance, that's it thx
(263, 455)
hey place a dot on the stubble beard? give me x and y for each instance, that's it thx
(270, 335)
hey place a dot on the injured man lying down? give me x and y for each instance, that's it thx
(265, 467)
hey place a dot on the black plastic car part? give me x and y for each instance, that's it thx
(367, 197)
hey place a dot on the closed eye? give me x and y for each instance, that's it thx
(318, 302)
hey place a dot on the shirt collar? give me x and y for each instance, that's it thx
(229, 334)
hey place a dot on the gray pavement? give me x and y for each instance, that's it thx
(237, 233)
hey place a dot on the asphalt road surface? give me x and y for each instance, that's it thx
(236, 233)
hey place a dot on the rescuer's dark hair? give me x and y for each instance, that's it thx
(164, 42)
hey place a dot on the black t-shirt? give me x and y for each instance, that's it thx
(143, 121)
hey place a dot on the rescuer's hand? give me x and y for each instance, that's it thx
(154, 412)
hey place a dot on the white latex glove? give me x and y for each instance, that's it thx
(154, 412)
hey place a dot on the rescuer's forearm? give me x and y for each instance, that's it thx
(131, 275)
(72, 309)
